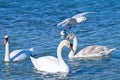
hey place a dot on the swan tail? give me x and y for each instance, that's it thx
(112, 49)
(31, 49)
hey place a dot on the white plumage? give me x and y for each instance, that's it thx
(52, 64)
(16, 55)
(73, 20)
(89, 51)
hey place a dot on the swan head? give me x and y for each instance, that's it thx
(6, 36)
(67, 44)
(70, 36)
(5, 39)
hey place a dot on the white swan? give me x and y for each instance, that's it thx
(15, 55)
(90, 51)
(51, 64)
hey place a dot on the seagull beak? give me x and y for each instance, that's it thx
(71, 47)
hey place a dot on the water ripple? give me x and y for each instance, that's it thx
(31, 23)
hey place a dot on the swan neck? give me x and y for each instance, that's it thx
(7, 54)
(59, 55)
(63, 66)
(71, 53)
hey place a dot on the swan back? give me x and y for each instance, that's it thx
(47, 64)
(18, 55)
(94, 51)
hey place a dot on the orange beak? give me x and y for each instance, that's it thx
(5, 41)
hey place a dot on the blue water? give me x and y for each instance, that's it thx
(32, 23)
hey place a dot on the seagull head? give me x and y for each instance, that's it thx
(80, 19)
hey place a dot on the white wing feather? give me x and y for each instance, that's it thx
(81, 14)
(64, 22)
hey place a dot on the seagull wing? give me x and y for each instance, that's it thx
(64, 22)
(81, 14)
(72, 21)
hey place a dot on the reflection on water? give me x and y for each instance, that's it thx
(91, 58)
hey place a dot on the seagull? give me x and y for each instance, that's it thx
(78, 18)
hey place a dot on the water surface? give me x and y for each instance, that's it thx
(32, 23)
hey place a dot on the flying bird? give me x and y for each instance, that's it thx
(78, 18)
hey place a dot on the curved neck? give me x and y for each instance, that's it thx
(7, 54)
(59, 55)
(71, 53)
